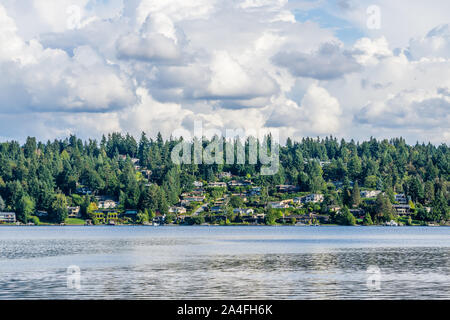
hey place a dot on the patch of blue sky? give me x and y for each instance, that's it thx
(343, 29)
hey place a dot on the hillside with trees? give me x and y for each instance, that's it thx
(48, 176)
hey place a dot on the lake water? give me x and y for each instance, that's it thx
(127, 262)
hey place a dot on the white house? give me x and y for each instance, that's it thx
(224, 175)
(241, 211)
(370, 193)
(198, 184)
(8, 217)
(107, 204)
(278, 205)
(177, 210)
(311, 198)
(217, 185)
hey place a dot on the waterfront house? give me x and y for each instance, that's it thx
(198, 184)
(287, 188)
(243, 196)
(107, 204)
(240, 183)
(402, 209)
(253, 219)
(224, 175)
(7, 217)
(192, 198)
(334, 208)
(74, 212)
(177, 210)
(278, 205)
(242, 212)
(217, 185)
(307, 218)
(370, 193)
(216, 209)
(401, 198)
(358, 213)
(130, 213)
(112, 217)
(195, 193)
(255, 191)
(84, 191)
(41, 214)
(159, 218)
(311, 198)
(106, 216)
(235, 183)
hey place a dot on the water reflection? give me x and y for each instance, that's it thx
(233, 263)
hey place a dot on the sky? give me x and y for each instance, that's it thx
(351, 69)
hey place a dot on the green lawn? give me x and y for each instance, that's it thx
(73, 221)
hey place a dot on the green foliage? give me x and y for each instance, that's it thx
(59, 208)
(197, 220)
(75, 222)
(236, 202)
(24, 209)
(383, 208)
(35, 220)
(345, 218)
(37, 173)
(2, 204)
(272, 216)
(142, 217)
(371, 182)
(367, 220)
(355, 195)
(440, 210)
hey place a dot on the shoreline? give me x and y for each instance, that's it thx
(214, 225)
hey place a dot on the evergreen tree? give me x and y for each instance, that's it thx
(59, 210)
(345, 217)
(367, 220)
(2, 204)
(24, 208)
(383, 208)
(356, 195)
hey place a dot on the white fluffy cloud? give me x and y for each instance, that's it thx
(92, 67)
(42, 79)
(319, 113)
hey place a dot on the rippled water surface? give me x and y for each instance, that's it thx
(224, 262)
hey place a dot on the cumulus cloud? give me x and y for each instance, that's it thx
(152, 116)
(229, 79)
(151, 65)
(45, 80)
(319, 113)
(409, 109)
(329, 62)
(151, 48)
(436, 44)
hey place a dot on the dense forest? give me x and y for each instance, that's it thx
(47, 176)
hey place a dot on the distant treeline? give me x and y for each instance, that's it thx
(46, 176)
